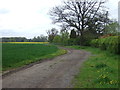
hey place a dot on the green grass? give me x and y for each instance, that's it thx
(16, 55)
(99, 71)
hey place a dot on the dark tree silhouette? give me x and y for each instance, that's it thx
(79, 14)
(73, 34)
(51, 34)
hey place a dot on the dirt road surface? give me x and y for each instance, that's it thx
(55, 73)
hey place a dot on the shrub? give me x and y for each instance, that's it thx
(88, 35)
(112, 44)
(57, 39)
(94, 43)
(71, 41)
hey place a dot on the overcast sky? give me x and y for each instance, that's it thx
(29, 18)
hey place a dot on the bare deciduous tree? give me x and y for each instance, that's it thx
(78, 13)
(51, 34)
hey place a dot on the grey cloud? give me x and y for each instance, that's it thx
(6, 32)
(14, 33)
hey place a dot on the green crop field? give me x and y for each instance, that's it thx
(16, 55)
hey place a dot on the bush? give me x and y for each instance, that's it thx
(94, 43)
(57, 39)
(71, 41)
(87, 37)
(112, 44)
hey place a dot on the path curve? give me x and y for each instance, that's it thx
(55, 73)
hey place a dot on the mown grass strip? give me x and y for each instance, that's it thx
(99, 71)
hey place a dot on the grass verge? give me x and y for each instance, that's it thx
(99, 71)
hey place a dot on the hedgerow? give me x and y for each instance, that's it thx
(111, 44)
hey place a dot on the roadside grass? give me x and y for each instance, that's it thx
(99, 71)
(16, 55)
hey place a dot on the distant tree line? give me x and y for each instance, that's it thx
(40, 38)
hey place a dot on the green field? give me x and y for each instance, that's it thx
(16, 55)
(99, 71)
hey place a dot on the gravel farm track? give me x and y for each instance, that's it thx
(51, 73)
